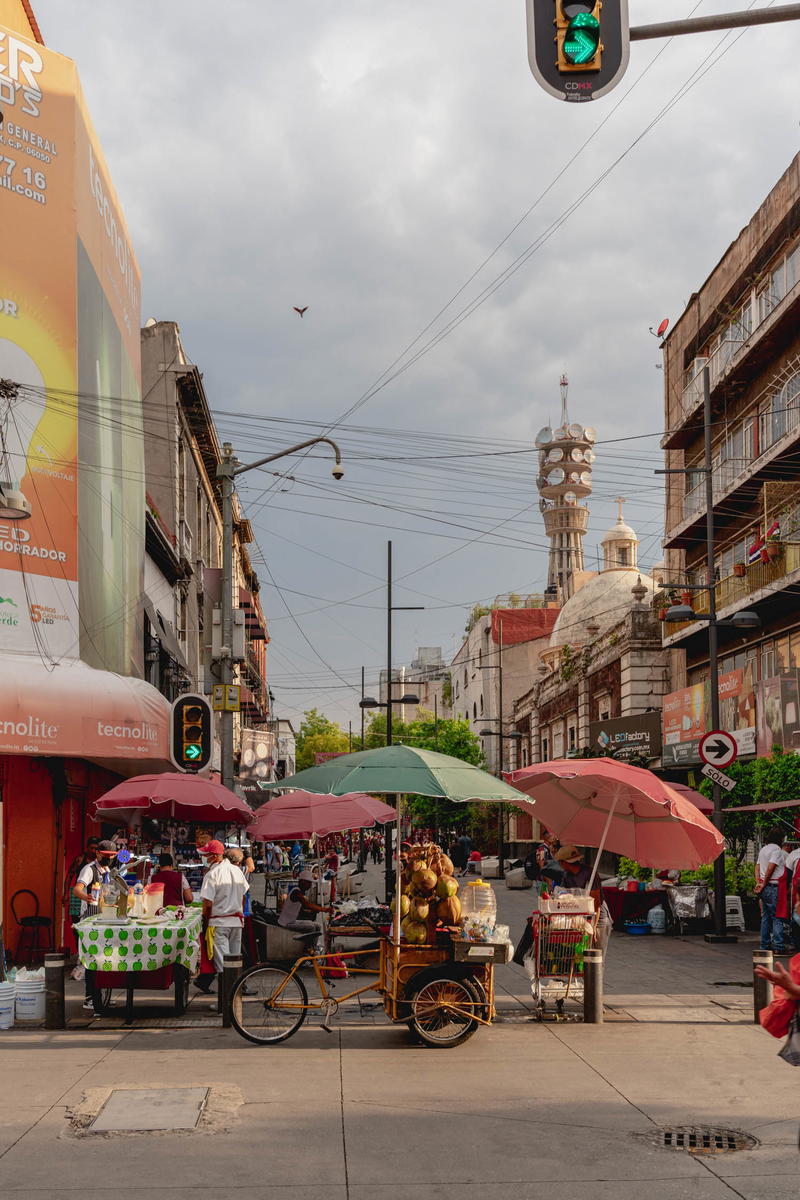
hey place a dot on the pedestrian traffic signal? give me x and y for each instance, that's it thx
(191, 742)
(578, 49)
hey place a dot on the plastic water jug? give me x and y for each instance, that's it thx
(153, 898)
(478, 900)
(6, 1005)
(657, 919)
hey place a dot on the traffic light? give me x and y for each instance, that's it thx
(578, 49)
(191, 742)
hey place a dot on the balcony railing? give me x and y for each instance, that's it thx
(717, 363)
(736, 589)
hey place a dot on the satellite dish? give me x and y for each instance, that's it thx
(561, 433)
(576, 455)
(570, 498)
(662, 329)
(542, 506)
(544, 437)
(586, 478)
(555, 455)
(590, 435)
(556, 476)
(576, 431)
(590, 456)
(150, 322)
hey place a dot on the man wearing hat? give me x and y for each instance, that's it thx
(222, 892)
(576, 873)
(87, 889)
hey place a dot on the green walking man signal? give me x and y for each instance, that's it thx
(191, 741)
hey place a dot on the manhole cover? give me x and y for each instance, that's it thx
(701, 1139)
(153, 1108)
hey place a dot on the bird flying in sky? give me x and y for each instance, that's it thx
(301, 310)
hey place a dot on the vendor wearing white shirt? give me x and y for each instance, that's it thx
(770, 868)
(222, 892)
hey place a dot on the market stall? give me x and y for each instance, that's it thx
(155, 953)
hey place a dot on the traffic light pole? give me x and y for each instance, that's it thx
(227, 471)
(732, 20)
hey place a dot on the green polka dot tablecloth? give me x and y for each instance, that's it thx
(139, 947)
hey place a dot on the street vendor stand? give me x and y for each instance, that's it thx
(444, 988)
(153, 954)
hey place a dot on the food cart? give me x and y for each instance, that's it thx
(147, 953)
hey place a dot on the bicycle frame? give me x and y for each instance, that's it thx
(314, 960)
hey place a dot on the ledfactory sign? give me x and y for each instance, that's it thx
(622, 737)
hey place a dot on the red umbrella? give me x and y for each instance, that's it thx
(609, 804)
(697, 798)
(301, 814)
(187, 797)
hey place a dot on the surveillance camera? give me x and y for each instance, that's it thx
(338, 471)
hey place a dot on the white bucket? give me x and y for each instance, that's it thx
(6, 1005)
(30, 999)
(657, 919)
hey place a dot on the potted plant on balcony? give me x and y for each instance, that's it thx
(686, 597)
(774, 549)
(740, 570)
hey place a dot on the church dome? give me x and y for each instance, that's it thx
(603, 601)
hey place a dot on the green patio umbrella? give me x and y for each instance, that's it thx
(392, 769)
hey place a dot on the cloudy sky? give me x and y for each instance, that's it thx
(396, 168)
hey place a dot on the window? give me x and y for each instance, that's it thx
(767, 661)
(545, 749)
(558, 743)
(474, 712)
(481, 703)
(794, 648)
(781, 650)
(793, 268)
(572, 737)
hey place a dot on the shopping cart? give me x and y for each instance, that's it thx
(563, 928)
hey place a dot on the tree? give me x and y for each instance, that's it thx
(318, 735)
(447, 736)
(758, 781)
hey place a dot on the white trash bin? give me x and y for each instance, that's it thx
(6, 1005)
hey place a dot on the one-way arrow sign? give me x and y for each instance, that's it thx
(718, 748)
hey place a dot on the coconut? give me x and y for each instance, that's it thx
(415, 932)
(420, 910)
(446, 865)
(405, 905)
(425, 880)
(446, 886)
(418, 865)
(449, 911)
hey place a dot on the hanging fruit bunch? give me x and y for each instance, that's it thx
(429, 897)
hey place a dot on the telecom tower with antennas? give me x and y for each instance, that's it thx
(565, 479)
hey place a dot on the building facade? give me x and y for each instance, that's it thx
(742, 326)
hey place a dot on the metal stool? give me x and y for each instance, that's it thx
(30, 929)
(734, 913)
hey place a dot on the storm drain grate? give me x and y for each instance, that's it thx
(699, 1139)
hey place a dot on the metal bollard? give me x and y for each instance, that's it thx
(54, 1011)
(593, 987)
(231, 970)
(762, 988)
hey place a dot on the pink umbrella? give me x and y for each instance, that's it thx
(612, 805)
(702, 802)
(173, 794)
(301, 814)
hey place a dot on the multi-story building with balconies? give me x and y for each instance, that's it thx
(742, 324)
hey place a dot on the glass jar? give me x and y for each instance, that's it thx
(478, 901)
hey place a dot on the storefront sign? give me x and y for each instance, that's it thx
(624, 736)
(778, 713)
(687, 716)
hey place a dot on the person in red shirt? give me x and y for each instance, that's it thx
(176, 889)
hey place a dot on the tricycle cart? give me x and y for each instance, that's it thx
(442, 991)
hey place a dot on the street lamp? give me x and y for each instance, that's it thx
(227, 471)
(371, 702)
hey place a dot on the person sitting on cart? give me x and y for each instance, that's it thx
(297, 907)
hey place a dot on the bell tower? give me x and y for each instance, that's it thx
(565, 479)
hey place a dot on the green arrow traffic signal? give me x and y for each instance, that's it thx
(192, 751)
(582, 37)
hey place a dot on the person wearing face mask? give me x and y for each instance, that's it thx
(87, 889)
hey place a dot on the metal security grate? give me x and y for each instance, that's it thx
(698, 1139)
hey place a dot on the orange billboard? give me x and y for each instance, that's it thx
(70, 575)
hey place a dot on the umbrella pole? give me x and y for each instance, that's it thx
(397, 880)
(172, 831)
(601, 847)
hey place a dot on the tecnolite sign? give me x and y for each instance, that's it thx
(622, 737)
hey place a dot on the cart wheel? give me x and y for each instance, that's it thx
(268, 1004)
(180, 979)
(443, 1007)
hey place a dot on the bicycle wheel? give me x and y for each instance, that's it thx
(268, 1005)
(443, 1008)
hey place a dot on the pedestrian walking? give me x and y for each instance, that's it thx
(223, 891)
(770, 870)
